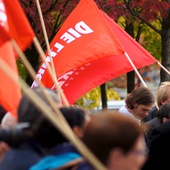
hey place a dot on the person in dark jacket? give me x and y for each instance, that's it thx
(159, 148)
(27, 150)
(163, 115)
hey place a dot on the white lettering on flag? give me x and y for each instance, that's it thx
(3, 17)
(68, 37)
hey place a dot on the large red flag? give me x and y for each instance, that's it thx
(19, 27)
(10, 92)
(78, 81)
(84, 37)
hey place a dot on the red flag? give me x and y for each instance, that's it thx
(19, 27)
(10, 92)
(78, 81)
(4, 36)
(84, 37)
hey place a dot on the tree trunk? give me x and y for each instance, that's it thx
(33, 58)
(165, 36)
(130, 81)
(103, 96)
(130, 75)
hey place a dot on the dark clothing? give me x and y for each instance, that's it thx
(159, 148)
(85, 166)
(63, 148)
(153, 123)
(23, 157)
(152, 113)
(60, 155)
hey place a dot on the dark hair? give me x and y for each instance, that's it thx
(75, 116)
(140, 95)
(44, 131)
(41, 127)
(164, 112)
(108, 130)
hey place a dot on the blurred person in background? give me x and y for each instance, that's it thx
(116, 140)
(162, 97)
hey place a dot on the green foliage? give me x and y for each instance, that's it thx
(92, 99)
(21, 70)
(152, 40)
(149, 39)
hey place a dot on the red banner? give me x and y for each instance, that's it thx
(19, 26)
(103, 65)
(84, 37)
(10, 92)
(4, 36)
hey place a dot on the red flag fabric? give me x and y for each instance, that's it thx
(139, 56)
(78, 81)
(4, 36)
(19, 27)
(84, 37)
(10, 92)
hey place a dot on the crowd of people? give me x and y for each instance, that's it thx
(136, 137)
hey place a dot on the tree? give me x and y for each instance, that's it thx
(147, 12)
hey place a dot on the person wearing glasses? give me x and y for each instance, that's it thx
(116, 140)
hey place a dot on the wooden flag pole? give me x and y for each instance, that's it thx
(163, 67)
(48, 48)
(42, 55)
(127, 56)
(45, 36)
(33, 74)
(45, 109)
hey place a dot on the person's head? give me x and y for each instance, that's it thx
(116, 140)
(163, 93)
(163, 113)
(77, 118)
(140, 101)
(41, 128)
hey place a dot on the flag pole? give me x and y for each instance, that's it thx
(127, 56)
(49, 53)
(33, 74)
(45, 34)
(50, 114)
(163, 67)
(42, 55)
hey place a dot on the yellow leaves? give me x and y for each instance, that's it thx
(92, 99)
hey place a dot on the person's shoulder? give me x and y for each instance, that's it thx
(84, 166)
(161, 131)
(153, 122)
(153, 110)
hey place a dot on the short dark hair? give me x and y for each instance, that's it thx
(44, 131)
(40, 126)
(75, 116)
(140, 95)
(164, 112)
